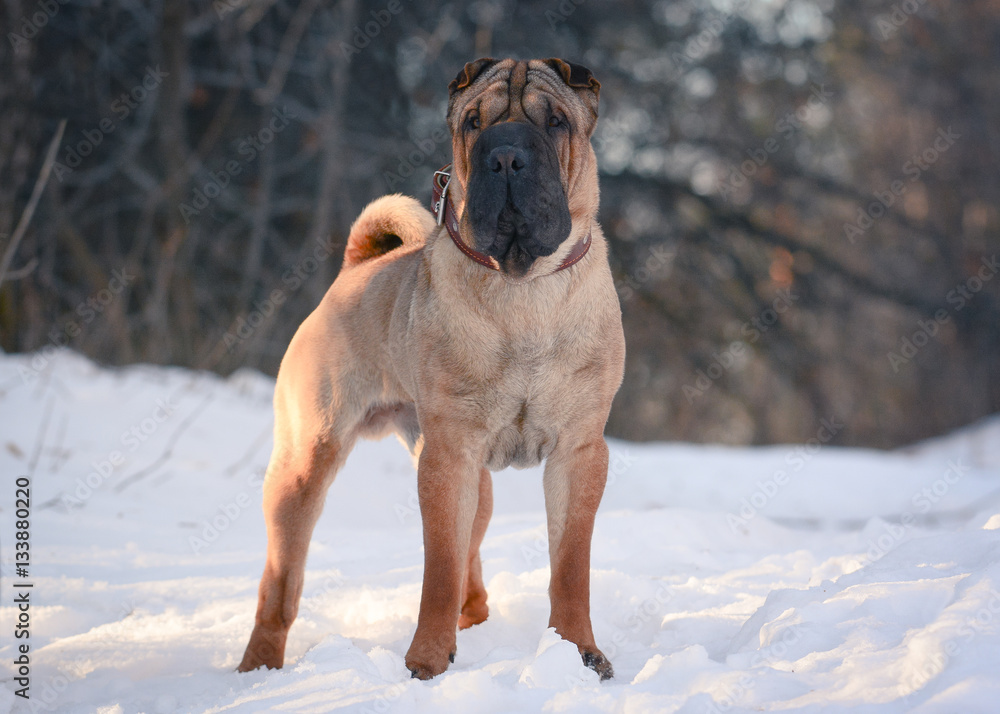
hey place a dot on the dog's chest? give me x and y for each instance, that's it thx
(523, 406)
(512, 368)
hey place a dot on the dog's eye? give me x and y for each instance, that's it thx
(555, 121)
(472, 122)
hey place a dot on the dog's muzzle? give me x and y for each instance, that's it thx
(516, 205)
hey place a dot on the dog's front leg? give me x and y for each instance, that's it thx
(448, 479)
(574, 484)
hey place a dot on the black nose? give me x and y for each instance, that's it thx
(507, 159)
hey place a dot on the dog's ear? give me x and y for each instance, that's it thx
(469, 73)
(466, 77)
(580, 79)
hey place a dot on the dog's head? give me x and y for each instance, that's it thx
(522, 157)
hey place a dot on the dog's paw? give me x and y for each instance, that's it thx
(255, 660)
(426, 668)
(264, 649)
(473, 614)
(599, 663)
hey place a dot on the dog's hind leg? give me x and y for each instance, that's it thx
(294, 490)
(474, 608)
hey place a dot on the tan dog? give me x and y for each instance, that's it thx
(498, 346)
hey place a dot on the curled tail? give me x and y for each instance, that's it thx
(387, 223)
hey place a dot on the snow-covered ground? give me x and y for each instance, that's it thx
(791, 578)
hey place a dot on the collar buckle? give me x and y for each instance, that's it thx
(439, 204)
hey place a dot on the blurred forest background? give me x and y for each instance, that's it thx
(801, 196)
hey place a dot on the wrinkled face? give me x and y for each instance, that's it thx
(522, 156)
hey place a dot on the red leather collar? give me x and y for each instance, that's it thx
(444, 212)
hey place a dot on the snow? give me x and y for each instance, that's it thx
(790, 578)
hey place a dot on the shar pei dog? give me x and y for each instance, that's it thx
(486, 334)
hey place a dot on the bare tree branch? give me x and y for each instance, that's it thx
(36, 194)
